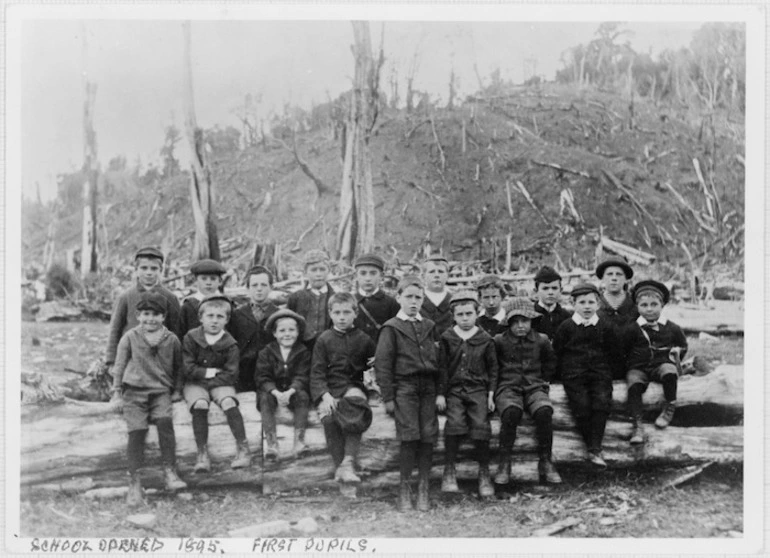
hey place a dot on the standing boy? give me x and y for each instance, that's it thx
(148, 266)
(249, 324)
(436, 299)
(375, 307)
(208, 281)
(146, 372)
(548, 306)
(588, 357)
(491, 293)
(615, 304)
(406, 368)
(283, 378)
(467, 382)
(340, 356)
(527, 363)
(656, 345)
(210, 357)
(312, 302)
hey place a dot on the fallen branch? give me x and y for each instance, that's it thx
(319, 184)
(705, 226)
(690, 473)
(414, 129)
(508, 195)
(557, 527)
(438, 144)
(710, 200)
(423, 190)
(562, 169)
(639, 207)
(298, 244)
(531, 202)
(632, 254)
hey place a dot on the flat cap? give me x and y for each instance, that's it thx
(410, 280)
(370, 259)
(286, 313)
(584, 288)
(437, 258)
(207, 267)
(650, 286)
(151, 300)
(488, 281)
(149, 252)
(464, 296)
(520, 306)
(547, 274)
(614, 261)
(315, 256)
(216, 296)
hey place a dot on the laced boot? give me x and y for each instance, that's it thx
(486, 490)
(547, 472)
(423, 497)
(345, 472)
(242, 456)
(503, 475)
(135, 496)
(300, 448)
(202, 460)
(665, 416)
(449, 479)
(404, 497)
(173, 482)
(271, 452)
(637, 431)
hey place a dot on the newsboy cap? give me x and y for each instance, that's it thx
(464, 296)
(584, 288)
(207, 267)
(650, 286)
(370, 259)
(151, 300)
(149, 252)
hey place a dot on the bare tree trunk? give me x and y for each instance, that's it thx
(88, 259)
(206, 243)
(452, 91)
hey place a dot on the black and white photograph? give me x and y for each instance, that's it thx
(357, 279)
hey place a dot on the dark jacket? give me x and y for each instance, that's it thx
(314, 309)
(524, 361)
(197, 355)
(140, 364)
(490, 325)
(581, 349)
(339, 361)
(188, 315)
(548, 322)
(405, 349)
(471, 363)
(249, 333)
(440, 315)
(272, 372)
(124, 315)
(381, 306)
(623, 316)
(651, 350)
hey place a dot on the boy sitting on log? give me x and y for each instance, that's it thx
(467, 381)
(147, 370)
(282, 378)
(656, 347)
(210, 356)
(208, 281)
(340, 356)
(527, 363)
(491, 293)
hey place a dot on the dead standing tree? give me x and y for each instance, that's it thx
(88, 261)
(356, 228)
(206, 243)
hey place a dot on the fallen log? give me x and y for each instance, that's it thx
(65, 441)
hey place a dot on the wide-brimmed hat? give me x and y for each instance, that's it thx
(286, 313)
(614, 261)
(520, 306)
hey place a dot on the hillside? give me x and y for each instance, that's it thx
(618, 162)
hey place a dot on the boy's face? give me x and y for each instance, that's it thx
(586, 305)
(649, 307)
(286, 332)
(150, 320)
(520, 326)
(208, 283)
(491, 300)
(613, 280)
(213, 319)
(435, 276)
(342, 315)
(368, 278)
(148, 271)
(410, 300)
(259, 287)
(549, 293)
(465, 315)
(316, 274)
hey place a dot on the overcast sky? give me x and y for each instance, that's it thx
(136, 65)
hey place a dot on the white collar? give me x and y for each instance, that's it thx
(550, 308)
(436, 298)
(500, 316)
(285, 352)
(212, 339)
(592, 321)
(363, 294)
(402, 316)
(641, 321)
(197, 295)
(320, 291)
(465, 335)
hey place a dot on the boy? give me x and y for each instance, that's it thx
(491, 292)
(656, 346)
(248, 324)
(406, 368)
(527, 363)
(312, 302)
(146, 371)
(282, 378)
(208, 281)
(148, 265)
(340, 356)
(548, 293)
(435, 304)
(467, 382)
(210, 357)
(375, 306)
(615, 304)
(587, 355)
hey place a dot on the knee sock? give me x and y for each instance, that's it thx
(452, 444)
(635, 392)
(407, 457)
(544, 431)
(136, 450)
(482, 453)
(598, 423)
(166, 441)
(669, 382)
(352, 443)
(426, 461)
(235, 422)
(583, 425)
(510, 422)
(335, 441)
(200, 424)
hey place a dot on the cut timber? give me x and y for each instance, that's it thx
(634, 255)
(62, 442)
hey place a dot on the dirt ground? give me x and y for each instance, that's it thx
(617, 503)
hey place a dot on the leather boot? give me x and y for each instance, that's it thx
(503, 475)
(547, 471)
(449, 479)
(202, 460)
(300, 448)
(404, 497)
(423, 497)
(345, 472)
(637, 431)
(135, 496)
(665, 416)
(486, 490)
(173, 482)
(271, 451)
(242, 456)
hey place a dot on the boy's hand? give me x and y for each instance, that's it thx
(327, 405)
(370, 362)
(116, 402)
(211, 372)
(390, 407)
(441, 402)
(176, 396)
(491, 402)
(286, 396)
